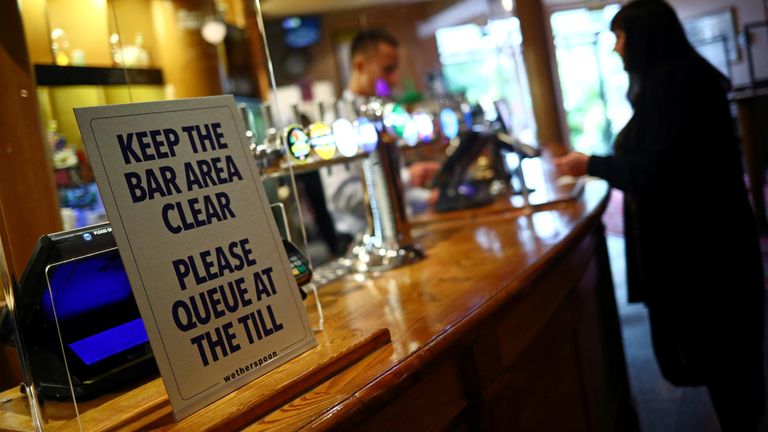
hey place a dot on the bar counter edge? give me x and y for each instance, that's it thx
(509, 324)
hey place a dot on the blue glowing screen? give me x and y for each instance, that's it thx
(110, 342)
(86, 286)
(301, 32)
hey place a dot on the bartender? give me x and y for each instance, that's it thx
(374, 60)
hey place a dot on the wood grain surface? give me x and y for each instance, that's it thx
(507, 320)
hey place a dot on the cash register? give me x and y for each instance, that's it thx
(456, 190)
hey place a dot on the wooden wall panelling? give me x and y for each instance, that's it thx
(27, 192)
(521, 322)
(601, 325)
(433, 403)
(543, 391)
(590, 351)
(28, 200)
(482, 360)
(536, 339)
(595, 374)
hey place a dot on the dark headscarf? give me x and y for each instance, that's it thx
(655, 39)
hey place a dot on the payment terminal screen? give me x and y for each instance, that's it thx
(93, 303)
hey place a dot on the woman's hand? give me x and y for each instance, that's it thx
(573, 164)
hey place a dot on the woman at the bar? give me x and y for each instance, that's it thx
(692, 244)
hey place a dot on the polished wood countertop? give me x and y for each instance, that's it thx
(409, 317)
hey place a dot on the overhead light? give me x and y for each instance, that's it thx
(508, 5)
(213, 31)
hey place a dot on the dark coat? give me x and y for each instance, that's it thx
(693, 252)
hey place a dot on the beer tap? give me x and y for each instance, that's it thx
(387, 242)
(268, 153)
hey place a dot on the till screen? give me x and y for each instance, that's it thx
(97, 314)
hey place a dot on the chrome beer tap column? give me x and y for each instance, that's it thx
(269, 153)
(387, 243)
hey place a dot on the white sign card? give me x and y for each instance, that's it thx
(199, 242)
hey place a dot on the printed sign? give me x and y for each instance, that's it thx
(199, 243)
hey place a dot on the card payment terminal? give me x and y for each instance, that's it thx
(299, 265)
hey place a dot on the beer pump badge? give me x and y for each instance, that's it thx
(298, 143)
(346, 137)
(322, 140)
(410, 132)
(425, 125)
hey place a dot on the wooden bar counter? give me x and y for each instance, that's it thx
(509, 324)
